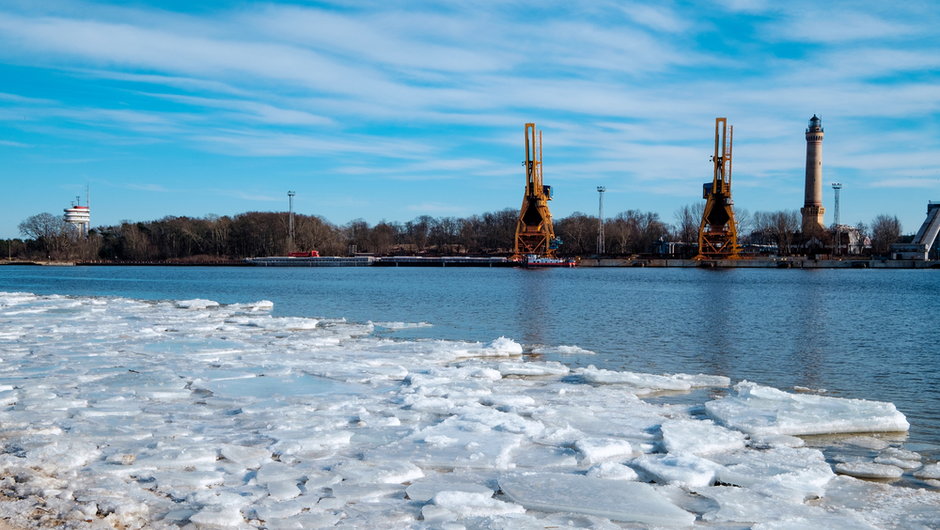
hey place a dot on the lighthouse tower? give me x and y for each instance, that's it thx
(812, 205)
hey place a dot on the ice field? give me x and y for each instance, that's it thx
(125, 413)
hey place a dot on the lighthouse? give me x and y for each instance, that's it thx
(812, 205)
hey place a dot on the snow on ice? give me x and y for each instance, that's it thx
(126, 413)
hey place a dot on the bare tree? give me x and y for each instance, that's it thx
(885, 230)
(778, 227)
(688, 220)
(50, 232)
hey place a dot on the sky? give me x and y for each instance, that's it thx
(382, 110)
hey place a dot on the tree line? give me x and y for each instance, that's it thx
(250, 234)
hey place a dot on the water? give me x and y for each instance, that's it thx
(868, 334)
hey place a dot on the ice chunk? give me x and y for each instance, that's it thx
(378, 472)
(882, 505)
(402, 325)
(901, 454)
(532, 368)
(619, 500)
(642, 383)
(594, 450)
(768, 441)
(704, 380)
(455, 505)
(791, 474)
(563, 350)
(761, 410)
(930, 471)
(503, 346)
(816, 520)
(250, 457)
(685, 470)
(699, 437)
(612, 470)
(743, 506)
(868, 470)
(897, 462)
(218, 517)
(423, 490)
(196, 303)
(283, 489)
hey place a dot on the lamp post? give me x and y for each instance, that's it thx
(837, 186)
(600, 220)
(290, 220)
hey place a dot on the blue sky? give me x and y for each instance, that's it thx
(387, 110)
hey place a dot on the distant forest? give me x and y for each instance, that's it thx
(214, 238)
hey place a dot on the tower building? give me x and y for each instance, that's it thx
(813, 209)
(79, 217)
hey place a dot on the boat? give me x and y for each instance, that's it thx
(533, 261)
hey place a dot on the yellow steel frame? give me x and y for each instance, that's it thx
(718, 232)
(534, 229)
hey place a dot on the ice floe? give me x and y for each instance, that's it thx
(193, 414)
(869, 470)
(761, 410)
(617, 500)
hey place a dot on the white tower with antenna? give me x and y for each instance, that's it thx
(80, 216)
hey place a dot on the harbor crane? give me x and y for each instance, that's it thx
(535, 234)
(718, 232)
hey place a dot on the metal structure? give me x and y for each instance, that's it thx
(718, 232)
(535, 234)
(600, 220)
(925, 238)
(290, 219)
(836, 188)
(813, 209)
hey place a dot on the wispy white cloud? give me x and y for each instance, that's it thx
(626, 93)
(910, 182)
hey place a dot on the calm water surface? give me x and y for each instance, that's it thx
(856, 333)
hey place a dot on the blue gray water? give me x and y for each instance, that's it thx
(855, 333)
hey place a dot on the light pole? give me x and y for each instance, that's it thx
(290, 220)
(836, 187)
(600, 220)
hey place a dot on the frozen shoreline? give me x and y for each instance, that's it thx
(163, 414)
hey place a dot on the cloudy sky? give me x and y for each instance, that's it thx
(391, 110)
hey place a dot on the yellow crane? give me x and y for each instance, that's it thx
(535, 234)
(718, 232)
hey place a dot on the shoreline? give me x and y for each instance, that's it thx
(589, 262)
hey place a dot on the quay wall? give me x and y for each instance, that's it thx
(762, 263)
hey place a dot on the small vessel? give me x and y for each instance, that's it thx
(532, 261)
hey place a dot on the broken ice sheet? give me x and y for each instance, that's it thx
(147, 414)
(761, 410)
(618, 500)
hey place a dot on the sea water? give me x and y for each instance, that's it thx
(869, 334)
